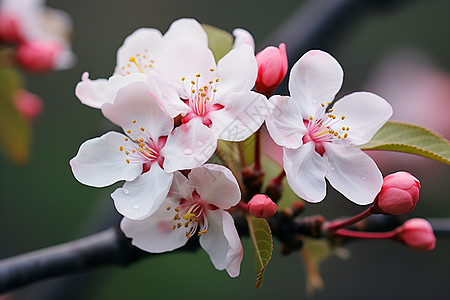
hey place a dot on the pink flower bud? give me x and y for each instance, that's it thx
(261, 206)
(399, 194)
(272, 67)
(38, 56)
(9, 28)
(29, 105)
(417, 234)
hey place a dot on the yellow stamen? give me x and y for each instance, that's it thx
(120, 148)
(133, 60)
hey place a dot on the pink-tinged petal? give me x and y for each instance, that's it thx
(241, 116)
(243, 37)
(305, 172)
(166, 92)
(100, 163)
(142, 197)
(353, 173)
(136, 102)
(155, 234)
(285, 122)
(181, 187)
(237, 71)
(187, 28)
(90, 91)
(365, 113)
(190, 145)
(144, 41)
(214, 241)
(216, 185)
(235, 251)
(315, 78)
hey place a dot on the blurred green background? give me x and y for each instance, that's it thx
(41, 204)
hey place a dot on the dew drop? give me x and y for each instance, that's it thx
(136, 206)
(188, 151)
(125, 191)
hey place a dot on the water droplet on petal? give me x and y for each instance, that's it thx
(363, 178)
(125, 191)
(188, 151)
(136, 206)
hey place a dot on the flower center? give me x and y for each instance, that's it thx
(141, 148)
(200, 99)
(141, 62)
(191, 215)
(322, 128)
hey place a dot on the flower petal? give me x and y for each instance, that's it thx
(141, 197)
(305, 172)
(149, 39)
(187, 28)
(237, 71)
(365, 113)
(216, 185)
(241, 116)
(90, 91)
(100, 163)
(285, 122)
(135, 102)
(190, 145)
(181, 187)
(222, 242)
(316, 77)
(243, 37)
(353, 173)
(155, 234)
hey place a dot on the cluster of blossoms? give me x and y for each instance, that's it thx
(174, 102)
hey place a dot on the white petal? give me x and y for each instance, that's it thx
(155, 234)
(136, 102)
(235, 251)
(189, 146)
(237, 70)
(90, 91)
(216, 185)
(170, 98)
(187, 28)
(285, 122)
(315, 78)
(353, 173)
(365, 113)
(149, 39)
(141, 197)
(305, 172)
(243, 37)
(100, 163)
(222, 247)
(181, 187)
(241, 116)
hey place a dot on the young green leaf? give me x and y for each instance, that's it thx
(262, 245)
(409, 138)
(14, 130)
(219, 41)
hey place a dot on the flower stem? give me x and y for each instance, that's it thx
(364, 235)
(242, 205)
(258, 166)
(335, 225)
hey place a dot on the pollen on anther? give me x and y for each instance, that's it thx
(328, 103)
(210, 82)
(343, 117)
(323, 105)
(128, 161)
(336, 134)
(345, 135)
(183, 79)
(177, 209)
(214, 90)
(141, 140)
(311, 118)
(174, 227)
(193, 91)
(134, 121)
(142, 129)
(120, 148)
(198, 75)
(330, 110)
(128, 131)
(168, 208)
(217, 79)
(134, 151)
(212, 70)
(203, 94)
(126, 139)
(348, 128)
(126, 152)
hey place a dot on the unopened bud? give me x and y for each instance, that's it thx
(398, 195)
(260, 206)
(272, 67)
(417, 234)
(9, 28)
(29, 105)
(38, 56)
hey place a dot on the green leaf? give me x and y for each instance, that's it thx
(219, 41)
(409, 138)
(262, 245)
(14, 130)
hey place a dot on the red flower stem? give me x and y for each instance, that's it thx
(242, 205)
(335, 225)
(364, 235)
(258, 166)
(279, 179)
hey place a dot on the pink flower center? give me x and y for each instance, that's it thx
(200, 99)
(322, 128)
(191, 214)
(142, 149)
